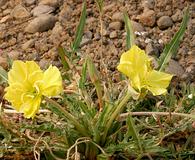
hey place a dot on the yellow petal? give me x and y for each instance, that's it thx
(18, 73)
(140, 62)
(52, 82)
(31, 107)
(25, 73)
(135, 64)
(134, 61)
(34, 72)
(14, 95)
(136, 82)
(157, 82)
(125, 64)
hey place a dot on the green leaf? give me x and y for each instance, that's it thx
(103, 157)
(4, 133)
(9, 61)
(171, 48)
(80, 28)
(46, 126)
(129, 29)
(83, 75)
(62, 53)
(3, 75)
(62, 112)
(133, 132)
(95, 78)
(101, 122)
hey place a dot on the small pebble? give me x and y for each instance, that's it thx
(148, 18)
(118, 16)
(164, 22)
(28, 44)
(113, 34)
(115, 25)
(42, 9)
(41, 24)
(20, 12)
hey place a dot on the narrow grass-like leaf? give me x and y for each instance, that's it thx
(4, 132)
(100, 4)
(9, 61)
(60, 111)
(63, 58)
(80, 28)
(83, 75)
(101, 121)
(129, 30)
(171, 48)
(94, 76)
(3, 75)
(133, 132)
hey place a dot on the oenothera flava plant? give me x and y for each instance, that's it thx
(97, 127)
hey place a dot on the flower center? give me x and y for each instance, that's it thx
(33, 93)
(36, 89)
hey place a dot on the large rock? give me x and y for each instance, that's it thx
(164, 22)
(20, 12)
(41, 24)
(42, 9)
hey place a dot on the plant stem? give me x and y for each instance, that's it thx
(124, 115)
(119, 108)
(101, 33)
(70, 117)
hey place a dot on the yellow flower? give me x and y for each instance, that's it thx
(28, 83)
(136, 65)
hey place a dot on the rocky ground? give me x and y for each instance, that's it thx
(32, 30)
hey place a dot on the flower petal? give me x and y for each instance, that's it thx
(52, 82)
(135, 64)
(34, 72)
(157, 82)
(18, 73)
(14, 95)
(25, 73)
(31, 107)
(125, 64)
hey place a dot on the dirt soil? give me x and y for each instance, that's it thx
(32, 30)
